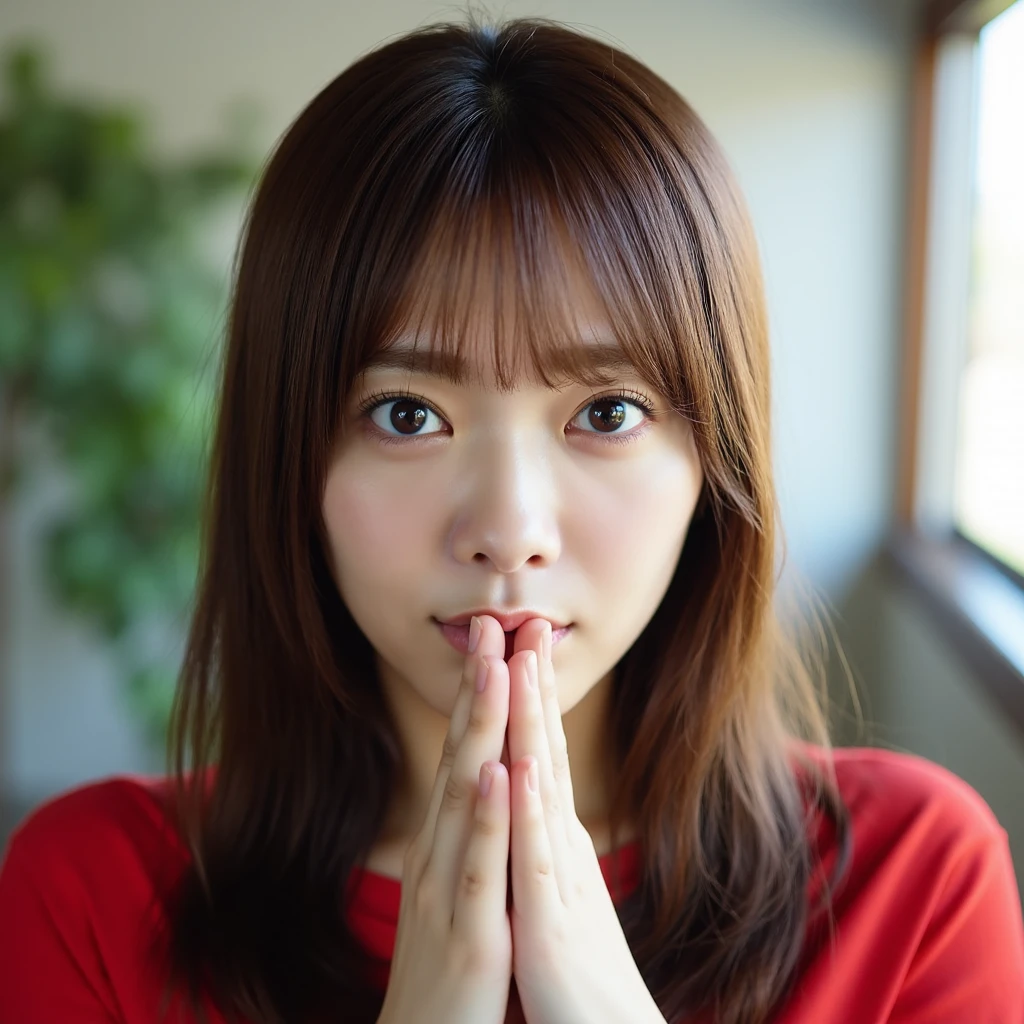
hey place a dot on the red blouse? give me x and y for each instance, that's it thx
(928, 921)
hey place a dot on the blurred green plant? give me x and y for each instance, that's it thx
(110, 314)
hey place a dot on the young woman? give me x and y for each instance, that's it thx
(486, 712)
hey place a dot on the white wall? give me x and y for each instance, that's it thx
(809, 100)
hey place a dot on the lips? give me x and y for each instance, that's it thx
(509, 621)
(457, 634)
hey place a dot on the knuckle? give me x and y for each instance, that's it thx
(488, 827)
(544, 868)
(427, 895)
(455, 794)
(448, 751)
(548, 687)
(412, 855)
(472, 880)
(478, 720)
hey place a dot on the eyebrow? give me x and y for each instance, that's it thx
(452, 367)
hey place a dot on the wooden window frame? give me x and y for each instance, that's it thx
(976, 600)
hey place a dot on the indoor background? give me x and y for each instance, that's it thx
(818, 105)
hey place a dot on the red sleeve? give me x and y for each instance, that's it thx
(969, 965)
(50, 969)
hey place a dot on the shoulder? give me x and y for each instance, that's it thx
(97, 821)
(929, 908)
(919, 836)
(108, 843)
(893, 796)
(80, 882)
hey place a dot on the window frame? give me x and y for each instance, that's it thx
(974, 598)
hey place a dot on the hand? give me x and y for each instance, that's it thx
(452, 960)
(570, 959)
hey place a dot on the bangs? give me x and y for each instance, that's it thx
(553, 300)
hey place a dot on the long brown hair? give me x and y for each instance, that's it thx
(508, 151)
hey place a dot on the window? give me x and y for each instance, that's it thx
(959, 532)
(989, 471)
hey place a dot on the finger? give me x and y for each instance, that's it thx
(491, 643)
(535, 891)
(558, 748)
(481, 741)
(547, 740)
(528, 737)
(481, 894)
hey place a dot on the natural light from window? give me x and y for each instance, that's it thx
(990, 456)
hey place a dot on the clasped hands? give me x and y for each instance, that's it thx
(571, 961)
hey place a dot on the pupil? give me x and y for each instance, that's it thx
(612, 419)
(405, 420)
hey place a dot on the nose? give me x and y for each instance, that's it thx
(508, 514)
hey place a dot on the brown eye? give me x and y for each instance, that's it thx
(607, 415)
(404, 415)
(407, 417)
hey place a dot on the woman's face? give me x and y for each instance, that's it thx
(465, 499)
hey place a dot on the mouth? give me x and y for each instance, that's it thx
(458, 637)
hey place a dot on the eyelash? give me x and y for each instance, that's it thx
(379, 398)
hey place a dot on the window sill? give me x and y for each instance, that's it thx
(978, 606)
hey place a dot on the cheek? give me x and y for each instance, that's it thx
(378, 532)
(629, 532)
(636, 522)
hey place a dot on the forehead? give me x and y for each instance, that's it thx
(483, 311)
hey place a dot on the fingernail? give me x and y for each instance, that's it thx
(481, 676)
(531, 669)
(486, 778)
(531, 776)
(547, 642)
(474, 634)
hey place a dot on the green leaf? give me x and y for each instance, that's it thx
(111, 321)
